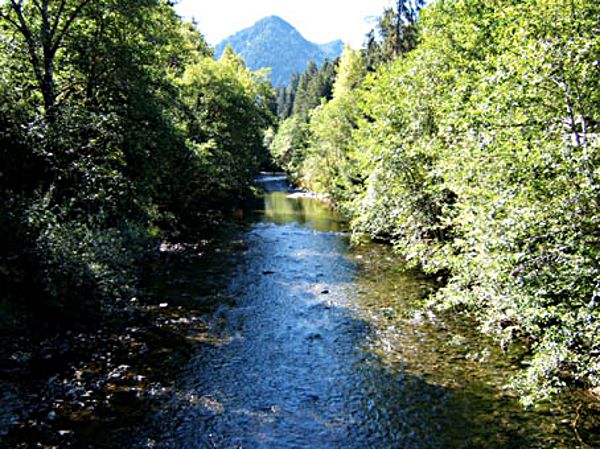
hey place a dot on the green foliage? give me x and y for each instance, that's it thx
(226, 115)
(330, 165)
(115, 124)
(305, 98)
(403, 198)
(476, 154)
(314, 87)
(350, 73)
(289, 145)
(286, 96)
(527, 216)
(397, 33)
(75, 256)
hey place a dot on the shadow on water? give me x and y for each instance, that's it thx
(315, 351)
(298, 340)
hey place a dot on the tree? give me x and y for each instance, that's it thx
(98, 109)
(350, 73)
(289, 144)
(398, 32)
(330, 162)
(305, 93)
(477, 155)
(43, 25)
(287, 97)
(398, 27)
(303, 101)
(320, 86)
(226, 113)
(372, 51)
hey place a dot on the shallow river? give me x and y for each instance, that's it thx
(316, 347)
(295, 339)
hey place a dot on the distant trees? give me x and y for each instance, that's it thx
(305, 92)
(314, 84)
(397, 32)
(329, 164)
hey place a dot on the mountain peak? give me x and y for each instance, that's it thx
(276, 20)
(273, 42)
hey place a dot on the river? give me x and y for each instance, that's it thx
(317, 348)
(303, 340)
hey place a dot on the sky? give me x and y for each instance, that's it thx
(319, 21)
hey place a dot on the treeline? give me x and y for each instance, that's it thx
(305, 90)
(117, 127)
(470, 140)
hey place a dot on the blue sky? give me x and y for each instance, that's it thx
(319, 21)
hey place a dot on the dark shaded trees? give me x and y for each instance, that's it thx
(286, 96)
(101, 156)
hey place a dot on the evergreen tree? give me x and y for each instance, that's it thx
(314, 86)
(398, 33)
(281, 102)
(372, 51)
(398, 28)
(291, 93)
(321, 85)
(303, 101)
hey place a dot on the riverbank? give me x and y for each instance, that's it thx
(98, 381)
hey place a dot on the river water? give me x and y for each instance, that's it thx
(301, 340)
(316, 347)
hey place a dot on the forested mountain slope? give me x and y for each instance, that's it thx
(274, 43)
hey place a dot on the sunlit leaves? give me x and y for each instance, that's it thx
(479, 155)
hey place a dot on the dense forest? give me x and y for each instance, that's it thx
(466, 133)
(117, 129)
(470, 140)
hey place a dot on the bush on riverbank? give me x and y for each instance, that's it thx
(477, 155)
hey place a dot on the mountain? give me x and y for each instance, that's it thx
(273, 42)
